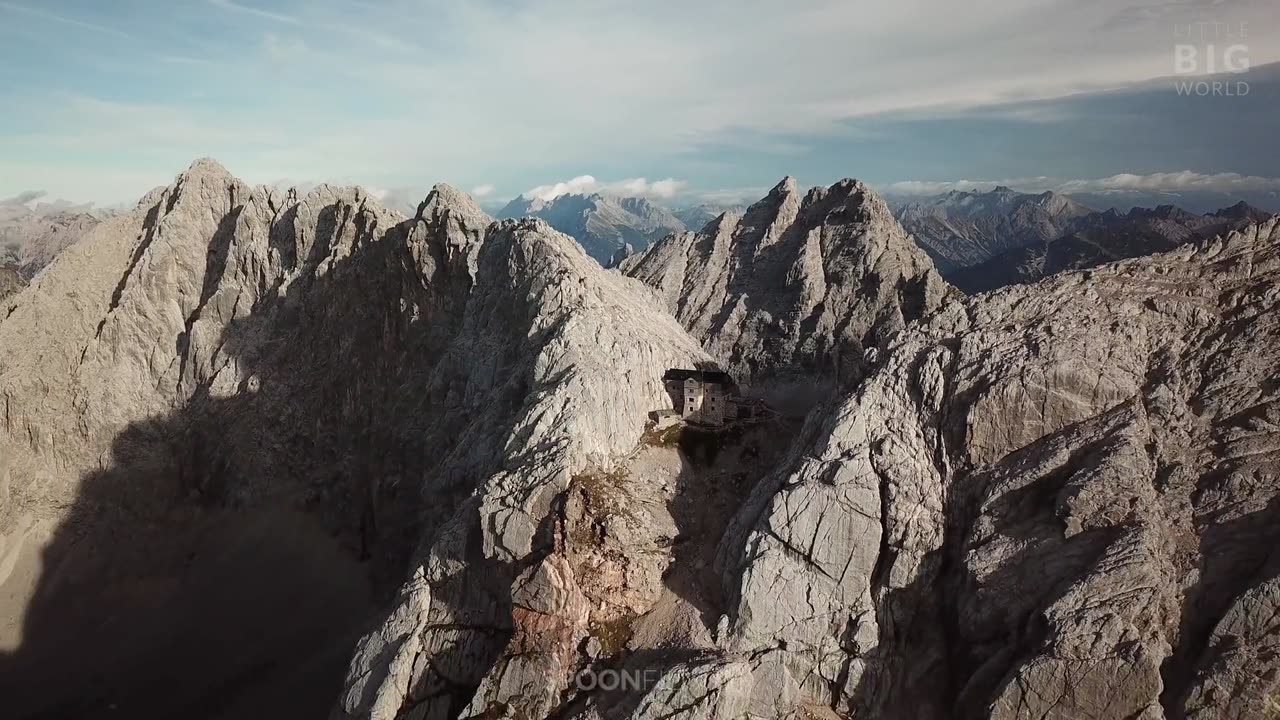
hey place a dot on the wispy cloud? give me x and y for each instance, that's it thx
(267, 14)
(43, 14)
(480, 192)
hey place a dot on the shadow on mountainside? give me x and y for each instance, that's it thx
(225, 561)
(722, 465)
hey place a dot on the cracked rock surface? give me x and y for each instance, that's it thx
(1054, 501)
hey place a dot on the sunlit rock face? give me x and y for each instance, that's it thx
(797, 284)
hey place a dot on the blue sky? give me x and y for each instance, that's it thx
(716, 99)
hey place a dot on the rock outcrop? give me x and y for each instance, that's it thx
(1054, 501)
(10, 282)
(801, 284)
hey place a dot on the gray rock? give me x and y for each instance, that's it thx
(31, 239)
(795, 284)
(423, 389)
(1046, 503)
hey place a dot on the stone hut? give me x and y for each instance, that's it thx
(702, 396)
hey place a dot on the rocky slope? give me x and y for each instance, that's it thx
(602, 224)
(962, 229)
(1101, 238)
(801, 284)
(1053, 501)
(234, 416)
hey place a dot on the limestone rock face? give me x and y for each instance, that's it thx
(1051, 501)
(417, 392)
(796, 283)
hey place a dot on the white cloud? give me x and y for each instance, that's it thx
(630, 187)
(1176, 181)
(407, 92)
(482, 191)
(1183, 181)
(578, 185)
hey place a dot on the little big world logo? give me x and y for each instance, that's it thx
(1207, 50)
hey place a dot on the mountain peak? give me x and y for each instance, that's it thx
(207, 167)
(444, 196)
(803, 283)
(785, 186)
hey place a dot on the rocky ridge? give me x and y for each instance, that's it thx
(421, 391)
(801, 284)
(695, 217)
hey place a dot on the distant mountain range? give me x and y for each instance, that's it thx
(609, 226)
(978, 241)
(1196, 201)
(32, 234)
(961, 229)
(981, 241)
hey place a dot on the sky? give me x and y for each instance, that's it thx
(709, 100)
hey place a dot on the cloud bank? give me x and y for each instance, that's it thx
(587, 184)
(1183, 181)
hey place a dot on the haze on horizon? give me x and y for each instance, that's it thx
(711, 100)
